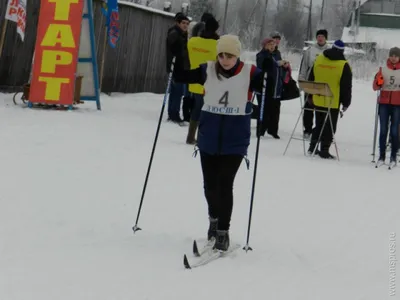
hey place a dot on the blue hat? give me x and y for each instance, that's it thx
(338, 44)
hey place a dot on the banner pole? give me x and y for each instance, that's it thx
(103, 54)
(3, 36)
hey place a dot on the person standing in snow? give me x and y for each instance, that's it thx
(277, 72)
(387, 80)
(188, 100)
(309, 56)
(332, 68)
(201, 49)
(277, 38)
(177, 47)
(224, 129)
(200, 26)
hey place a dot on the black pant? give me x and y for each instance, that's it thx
(219, 173)
(327, 134)
(308, 116)
(271, 114)
(187, 107)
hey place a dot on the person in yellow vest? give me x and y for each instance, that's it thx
(330, 67)
(201, 49)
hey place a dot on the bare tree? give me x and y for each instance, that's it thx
(198, 7)
(291, 23)
(337, 18)
(244, 20)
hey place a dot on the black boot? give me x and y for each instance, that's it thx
(274, 135)
(212, 229)
(187, 107)
(326, 155)
(222, 242)
(312, 147)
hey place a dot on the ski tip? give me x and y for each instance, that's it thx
(195, 249)
(186, 262)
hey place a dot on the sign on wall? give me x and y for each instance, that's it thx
(16, 12)
(12, 10)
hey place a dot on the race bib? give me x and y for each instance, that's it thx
(226, 96)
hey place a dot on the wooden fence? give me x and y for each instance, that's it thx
(136, 65)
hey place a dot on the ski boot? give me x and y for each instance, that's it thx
(222, 242)
(212, 229)
(393, 162)
(381, 160)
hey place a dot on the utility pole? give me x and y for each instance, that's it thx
(310, 21)
(248, 21)
(322, 12)
(358, 17)
(225, 15)
(263, 22)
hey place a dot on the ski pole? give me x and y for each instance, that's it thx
(375, 127)
(166, 96)
(247, 247)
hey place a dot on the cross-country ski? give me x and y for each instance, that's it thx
(208, 257)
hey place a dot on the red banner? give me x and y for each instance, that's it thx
(56, 52)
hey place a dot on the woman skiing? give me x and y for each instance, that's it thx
(387, 80)
(224, 129)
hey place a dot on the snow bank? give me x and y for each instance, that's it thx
(146, 8)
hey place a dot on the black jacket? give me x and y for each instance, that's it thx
(277, 54)
(198, 29)
(176, 45)
(346, 81)
(267, 61)
(212, 35)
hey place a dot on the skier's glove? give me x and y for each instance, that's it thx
(379, 78)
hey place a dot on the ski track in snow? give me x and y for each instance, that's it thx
(71, 186)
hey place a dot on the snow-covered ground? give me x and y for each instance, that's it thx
(71, 186)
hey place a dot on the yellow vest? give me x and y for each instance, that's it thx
(330, 72)
(200, 51)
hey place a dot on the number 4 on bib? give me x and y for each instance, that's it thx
(224, 99)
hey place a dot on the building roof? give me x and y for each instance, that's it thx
(385, 38)
(149, 9)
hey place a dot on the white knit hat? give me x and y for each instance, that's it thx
(229, 44)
